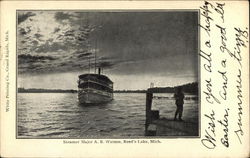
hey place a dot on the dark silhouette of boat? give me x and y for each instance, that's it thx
(94, 88)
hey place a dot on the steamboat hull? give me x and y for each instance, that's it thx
(93, 97)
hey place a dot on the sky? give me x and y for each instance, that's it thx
(133, 48)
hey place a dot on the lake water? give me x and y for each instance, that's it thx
(58, 115)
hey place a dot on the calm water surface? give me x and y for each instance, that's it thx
(58, 115)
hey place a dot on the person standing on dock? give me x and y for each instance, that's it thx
(179, 101)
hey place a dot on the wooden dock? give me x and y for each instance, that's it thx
(156, 126)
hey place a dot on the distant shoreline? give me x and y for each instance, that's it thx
(70, 91)
(191, 88)
(33, 90)
(113, 92)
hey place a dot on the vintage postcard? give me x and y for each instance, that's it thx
(124, 79)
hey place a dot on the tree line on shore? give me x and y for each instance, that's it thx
(187, 88)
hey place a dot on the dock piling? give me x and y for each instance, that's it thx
(150, 128)
(155, 114)
(149, 97)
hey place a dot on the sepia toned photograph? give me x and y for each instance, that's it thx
(107, 74)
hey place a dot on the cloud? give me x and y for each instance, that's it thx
(64, 17)
(56, 30)
(22, 31)
(27, 58)
(24, 16)
(53, 47)
(106, 64)
(34, 42)
(38, 36)
(84, 55)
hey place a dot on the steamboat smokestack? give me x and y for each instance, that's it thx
(99, 71)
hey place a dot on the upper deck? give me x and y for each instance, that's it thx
(95, 77)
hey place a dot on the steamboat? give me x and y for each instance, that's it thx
(94, 88)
